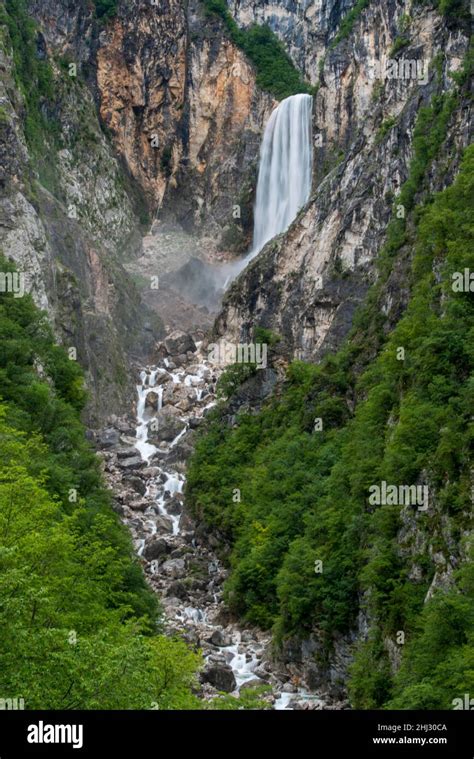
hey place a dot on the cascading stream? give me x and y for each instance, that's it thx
(198, 610)
(284, 186)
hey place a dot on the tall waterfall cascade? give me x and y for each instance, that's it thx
(284, 177)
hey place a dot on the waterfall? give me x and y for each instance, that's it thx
(284, 177)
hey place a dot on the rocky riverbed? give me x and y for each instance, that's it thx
(145, 463)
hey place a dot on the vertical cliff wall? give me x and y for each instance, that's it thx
(106, 121)
(307, 284)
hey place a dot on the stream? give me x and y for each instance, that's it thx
(147, 465)
(148, 473)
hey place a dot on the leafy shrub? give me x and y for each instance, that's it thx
(33, 75)
(347, 23)
(106, 9)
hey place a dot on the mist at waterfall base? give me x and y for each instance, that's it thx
(283, 188)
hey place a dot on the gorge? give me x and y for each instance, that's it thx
(235, 657)
(181, 533)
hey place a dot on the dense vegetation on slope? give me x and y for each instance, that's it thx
(79, 626)
(33, 75)
(454, 10)
(105, 9)
(304, 493)
(275, 71)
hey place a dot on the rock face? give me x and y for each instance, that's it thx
(67, 218)
(141, 74)
(183, 108)
(159, 101)
(305, 28)
(306, 284)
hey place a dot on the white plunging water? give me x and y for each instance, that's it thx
(284, 177)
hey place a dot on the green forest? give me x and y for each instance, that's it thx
(80, 627)
(304, 491)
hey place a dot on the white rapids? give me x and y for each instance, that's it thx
(180, 565)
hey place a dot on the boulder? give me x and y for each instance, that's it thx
(160, 352)
(151, 471)
(195, 422)
(163, 523)
(219, 638)
(161, 378)
(138, 485)
(184, 405)
(165, 426)
(155, 549)
(168, 395)
(179, 342)
(176, 392)
(180, 360)
(125, 426)
(134, 462)
(220, 676)
(108, 438)
(174, 504)
(140, 505)
(175, 568)
(261, 673)
(178, 589)
(247, 636)
(127, 452)
(151, 400)
(181, 453)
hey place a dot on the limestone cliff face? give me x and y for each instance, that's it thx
(141, 74)
(68, 217)
(307, 284)
(305, 28)
(159, 113)
(183, 109)
(223, 122)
